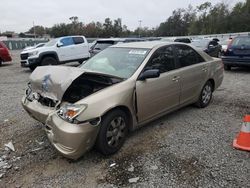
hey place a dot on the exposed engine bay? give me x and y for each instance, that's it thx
(87, 84)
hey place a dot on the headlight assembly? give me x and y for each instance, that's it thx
(69, 112)
(33, 53)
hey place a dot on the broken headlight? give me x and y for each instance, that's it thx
(69, 112)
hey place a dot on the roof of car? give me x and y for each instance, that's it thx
(119, 39)
(146, 44)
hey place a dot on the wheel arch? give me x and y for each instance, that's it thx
(48, 54)
(127, 112)
(211, 80)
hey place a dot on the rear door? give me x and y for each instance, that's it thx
(193, 70)
(158, 95)
(81, 47)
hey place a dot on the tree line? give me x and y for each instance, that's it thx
(203, 19)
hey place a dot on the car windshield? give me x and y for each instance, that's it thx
(200, 43)
(51, 43)
(120, 62)
(241, 41)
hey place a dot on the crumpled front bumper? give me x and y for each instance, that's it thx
(36, 110)
(71, 140)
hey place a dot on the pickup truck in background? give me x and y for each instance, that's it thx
(57, 51)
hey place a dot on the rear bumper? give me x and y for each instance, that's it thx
(236, 61)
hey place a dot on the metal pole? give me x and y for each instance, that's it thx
(34, 29)
(140, 21)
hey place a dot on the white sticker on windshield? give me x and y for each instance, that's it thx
(138, 52)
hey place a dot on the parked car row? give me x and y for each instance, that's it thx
(210, 46)
(102, 44)
(116, 91)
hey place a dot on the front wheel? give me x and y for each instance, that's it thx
(32, 67)
(112, 133)
(205, 96)
(48, 61)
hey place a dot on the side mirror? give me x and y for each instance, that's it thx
(153, 73)
(59, 44)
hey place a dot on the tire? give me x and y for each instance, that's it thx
(32, 67)
(205, 95)
(48, 61)
(227, 67)
(112, 133)
(1, 62)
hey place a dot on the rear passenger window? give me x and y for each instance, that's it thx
(67, 41)
(187, 56)
(163, 59)
(78, 40)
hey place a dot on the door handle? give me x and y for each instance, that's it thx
(176, 78)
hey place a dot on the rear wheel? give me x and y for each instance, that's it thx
(113, 132)
(1, 62)
(48, 61)
(205, 96)
(227, 67)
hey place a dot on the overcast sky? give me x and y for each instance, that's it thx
(18, 15)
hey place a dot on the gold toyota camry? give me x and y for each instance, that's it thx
(118, 90)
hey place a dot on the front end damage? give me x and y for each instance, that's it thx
(51, 98)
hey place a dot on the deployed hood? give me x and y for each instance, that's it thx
(53, 81)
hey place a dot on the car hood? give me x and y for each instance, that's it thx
(28, 48)
(53, 81)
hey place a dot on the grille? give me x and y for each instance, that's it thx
(24, 56)
(46, 101)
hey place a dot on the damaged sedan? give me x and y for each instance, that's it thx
(118, 90)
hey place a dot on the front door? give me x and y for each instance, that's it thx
(157, 95)
(67, 51)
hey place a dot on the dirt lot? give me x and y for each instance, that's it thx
(189, 148)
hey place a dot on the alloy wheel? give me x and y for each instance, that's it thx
(116, 131)
(206, 94)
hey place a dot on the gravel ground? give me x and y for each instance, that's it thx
(188, 148)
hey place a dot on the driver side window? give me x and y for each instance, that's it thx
(163, 59)
(67, 41)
